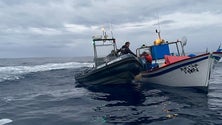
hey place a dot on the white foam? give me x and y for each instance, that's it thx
(16, 72)
(5, 121)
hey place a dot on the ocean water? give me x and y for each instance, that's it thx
(43, 91)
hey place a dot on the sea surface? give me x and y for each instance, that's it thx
(43, 91)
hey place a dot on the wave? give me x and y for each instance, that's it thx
(5, 121)
(16, 72)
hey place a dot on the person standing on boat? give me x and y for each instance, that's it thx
(125, 49)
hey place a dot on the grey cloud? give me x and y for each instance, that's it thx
(164, 22)
(38, 27)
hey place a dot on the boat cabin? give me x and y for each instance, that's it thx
(104, 49)
(163, 53)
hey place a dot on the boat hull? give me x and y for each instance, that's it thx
(191, 72)
(217, 56)
(119, 71)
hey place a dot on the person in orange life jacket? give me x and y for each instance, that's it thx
(146, 60)
(125, 49)
(147, 56)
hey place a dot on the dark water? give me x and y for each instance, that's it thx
(43, 92)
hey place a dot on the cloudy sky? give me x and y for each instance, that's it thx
(61, 28)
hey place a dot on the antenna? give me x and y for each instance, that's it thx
(104, 33)
(111, 30)
(103, 30)
(158, 23)
(158, 32)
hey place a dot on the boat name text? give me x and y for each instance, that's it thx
(190, 68)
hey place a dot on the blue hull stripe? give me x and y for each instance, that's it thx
(173, 68)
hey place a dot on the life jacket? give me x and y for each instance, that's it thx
(148, 58)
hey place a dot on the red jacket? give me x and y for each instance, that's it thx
(148, 58)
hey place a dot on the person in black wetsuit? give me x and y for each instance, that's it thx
(125, 49)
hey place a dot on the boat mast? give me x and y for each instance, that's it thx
(158, 23)
(182, 46)
(183, 43)
(95, 52)
(111, 30)
(178, 49)
(114, 41)
(104, 33)
(158, 32)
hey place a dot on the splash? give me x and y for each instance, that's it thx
(16, 72)
(5, 121)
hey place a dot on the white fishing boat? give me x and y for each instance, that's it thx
(176, 69)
